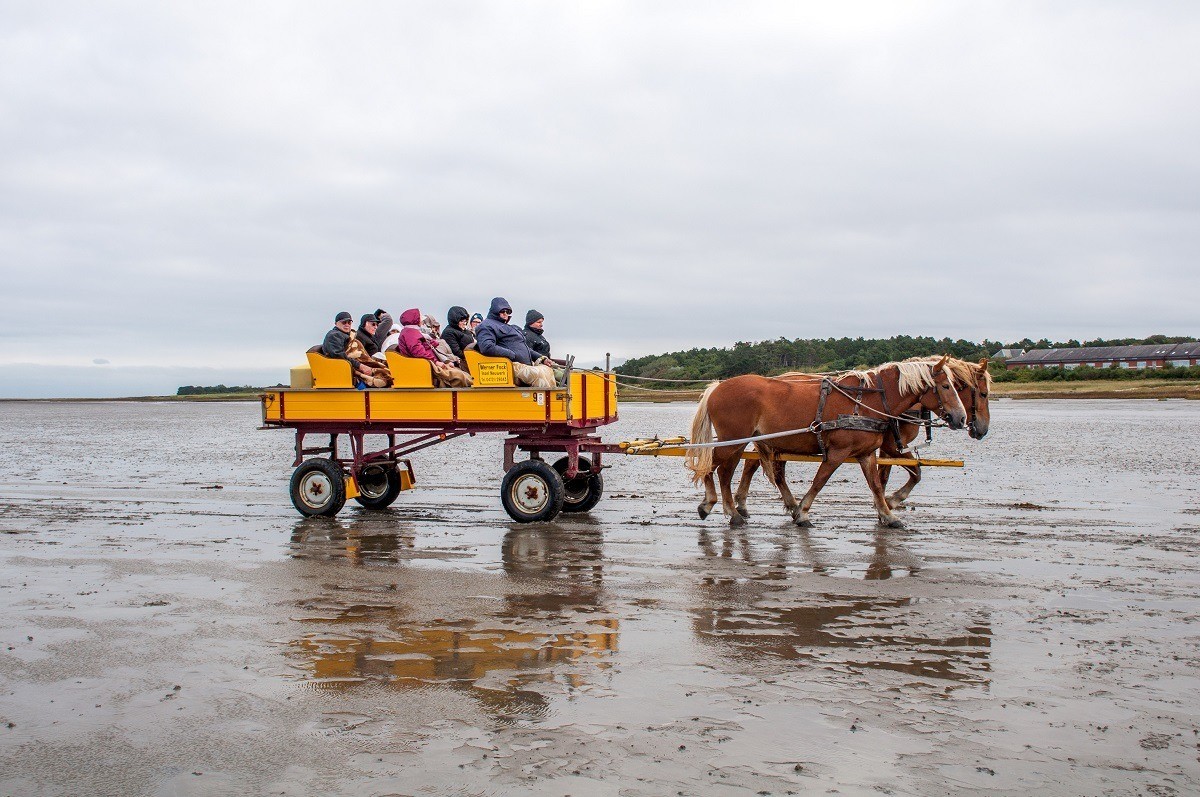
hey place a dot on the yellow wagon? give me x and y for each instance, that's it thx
(413, 414)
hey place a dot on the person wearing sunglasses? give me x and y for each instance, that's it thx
(336, 340)
(496, 337)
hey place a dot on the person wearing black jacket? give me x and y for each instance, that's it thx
(336, 340)
(385, 326)
(366, 333)
(457, 334)
(534, 339)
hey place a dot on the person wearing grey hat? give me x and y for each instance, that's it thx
(336, 340)
(534, 337)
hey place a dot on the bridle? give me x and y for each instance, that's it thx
(976, 394)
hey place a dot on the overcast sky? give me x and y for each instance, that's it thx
(190, 191)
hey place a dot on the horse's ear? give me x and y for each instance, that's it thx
(942, 362)
(983, 364)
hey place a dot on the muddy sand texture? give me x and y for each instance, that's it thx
(1032, 631)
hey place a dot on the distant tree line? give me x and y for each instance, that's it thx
(208, 390)
(837, 354)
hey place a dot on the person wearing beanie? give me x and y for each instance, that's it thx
(534, 337)
(476, 320)
(336, 341)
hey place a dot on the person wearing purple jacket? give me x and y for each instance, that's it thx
(416, 343)
(495, 337)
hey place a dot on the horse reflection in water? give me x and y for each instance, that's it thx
(540, 641)
(756, 616)
(780, 556)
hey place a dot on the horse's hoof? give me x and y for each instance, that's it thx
(804, 523)
(703, 512)
(736, 521)
(895, 523)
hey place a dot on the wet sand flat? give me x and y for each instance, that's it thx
(171, 626)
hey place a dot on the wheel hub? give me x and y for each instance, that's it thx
(530, 494)
(316, 489)
(372, 482)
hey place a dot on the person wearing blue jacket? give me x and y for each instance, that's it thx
(495, 337)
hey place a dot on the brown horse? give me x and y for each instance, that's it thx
(973, 383)
(751, 406)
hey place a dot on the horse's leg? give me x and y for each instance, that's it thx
(710, 497)
(789, 501)
(870, 468)
(749, 467)
(900, 496)
(826, 469)
(725, 470)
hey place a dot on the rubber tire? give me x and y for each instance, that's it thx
(537, 475)
(584, 491)
(334, 482)
(390, 491)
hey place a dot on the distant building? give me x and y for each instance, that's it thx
(1007, 354)
(1153, 356)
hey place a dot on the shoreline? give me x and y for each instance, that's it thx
(1093, 389)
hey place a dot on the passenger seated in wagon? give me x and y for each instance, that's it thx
(458, 335)
(416, 343)
(339, 344)
(495, 337)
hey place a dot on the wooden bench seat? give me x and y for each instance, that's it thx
(409, 371)
(328, 372)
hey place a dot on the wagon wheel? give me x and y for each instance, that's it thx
(318, 487)
(584, 491)
(532, 491)
(378, 486)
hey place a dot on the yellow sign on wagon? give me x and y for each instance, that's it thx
(494, 374)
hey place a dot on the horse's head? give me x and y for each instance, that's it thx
(976, 399)
(943, 397)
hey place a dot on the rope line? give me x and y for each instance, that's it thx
(808, 429)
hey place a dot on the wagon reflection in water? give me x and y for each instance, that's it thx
(509, 660)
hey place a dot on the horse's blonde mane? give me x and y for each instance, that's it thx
(916, 373)
(964, 372)
(914, 377)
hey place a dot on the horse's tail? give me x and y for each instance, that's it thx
(700, 460)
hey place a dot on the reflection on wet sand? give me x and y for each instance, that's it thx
(756, 614)
(844, 632)
(796, 550)
(361, 540)
(494, 664)
(547, 640)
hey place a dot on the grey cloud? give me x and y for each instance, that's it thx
(226, 177)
